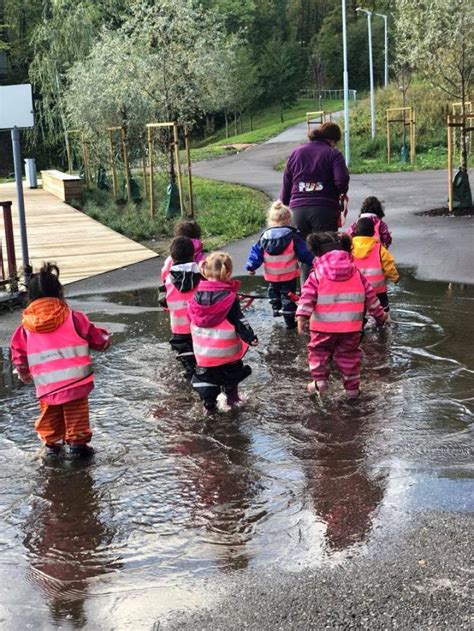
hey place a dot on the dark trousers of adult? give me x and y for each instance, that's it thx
(314, 219)
(182, 344)
(279, 294)
(210, 382)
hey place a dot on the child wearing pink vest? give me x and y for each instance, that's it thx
(181, 281)
(372, 209)
(373, 260)
(333, 301)
(280, 248)
(191, 230)
(52, 348)
(221, 334)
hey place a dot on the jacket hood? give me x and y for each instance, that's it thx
(185, 276)
(336, 265)
(212, 302)
(363, 246)
(198, 253)
(275, 240)
(45, 315)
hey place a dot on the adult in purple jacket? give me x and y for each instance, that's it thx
(315, 176)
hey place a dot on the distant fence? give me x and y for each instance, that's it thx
(312, 93)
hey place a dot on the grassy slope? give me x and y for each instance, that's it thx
(266, 124)
(225, 212)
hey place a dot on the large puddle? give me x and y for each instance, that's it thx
(171, 498)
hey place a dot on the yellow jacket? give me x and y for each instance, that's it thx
(362, 246)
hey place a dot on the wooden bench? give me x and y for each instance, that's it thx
(66, 187)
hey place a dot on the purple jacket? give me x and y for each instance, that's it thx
(315, 175)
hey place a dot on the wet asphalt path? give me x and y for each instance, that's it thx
(439, 248)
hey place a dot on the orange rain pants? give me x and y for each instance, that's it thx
(68, 423)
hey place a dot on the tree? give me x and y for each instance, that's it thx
(283, 72)
(435, 38)
(158, 66)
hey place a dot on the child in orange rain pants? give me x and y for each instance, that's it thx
(334, 300)
(221, 334)
(51, 347)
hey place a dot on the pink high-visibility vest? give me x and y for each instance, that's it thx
(217, 345)
(59, 359)
(340, 307)
(177, 302)
(371, 267)
(278, 268)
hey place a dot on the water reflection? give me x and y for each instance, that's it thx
(216, 475)
(67, 541)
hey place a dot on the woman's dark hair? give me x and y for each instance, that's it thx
(372, 205)
(182, 250)
(45, 283)
(187, 228)
(327, 131)
(322, 242)
(365, 227)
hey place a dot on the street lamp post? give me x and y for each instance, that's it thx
(385, 18)
(371, 70)
(345, 79)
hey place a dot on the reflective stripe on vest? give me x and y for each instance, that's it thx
(177, 302)
(278, 268)
(371, 267)
(58, 360)
(218, 345)
(340, 307)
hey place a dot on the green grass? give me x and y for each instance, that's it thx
(266, 124)
(431, 158)
(225, 212)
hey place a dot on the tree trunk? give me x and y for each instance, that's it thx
(240, 123)
(251, 121)
(281, 113)
(236, 131)
(226, 126)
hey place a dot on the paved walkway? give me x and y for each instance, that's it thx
(81, 246)
(440, 248)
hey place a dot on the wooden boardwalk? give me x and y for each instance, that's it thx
(81, 246)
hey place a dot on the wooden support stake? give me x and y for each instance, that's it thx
(125, 163)
(145, 184)
(388, 138)
(150, 165)
(190, 179)
(68, 153)
(178, 167)
(450, 165)
(112, 164)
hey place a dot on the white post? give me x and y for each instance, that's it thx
(371, 75)
(345, 80)
(385, 18)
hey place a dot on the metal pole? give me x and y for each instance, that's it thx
(371, 74)
(385, 18)
(371, 70)
(15, 134)
(345, 79)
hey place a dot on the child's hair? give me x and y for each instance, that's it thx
(217, 266)
(45, 283)
(326, 131)
(182, 250)
(322, 242)
(187, 228)
(278, 215)
(365, 227)
(372, 205)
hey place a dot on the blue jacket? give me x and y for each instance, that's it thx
(274, 241)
